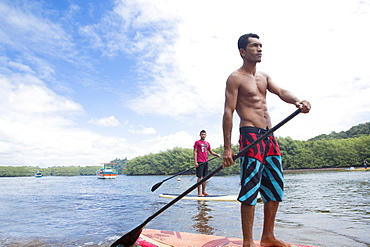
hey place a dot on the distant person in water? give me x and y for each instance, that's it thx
(201, 149)
(365, 164)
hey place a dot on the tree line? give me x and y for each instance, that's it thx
(343, 149)
(26, 171)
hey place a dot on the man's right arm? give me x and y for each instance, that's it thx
(195, 154)
(231, 97)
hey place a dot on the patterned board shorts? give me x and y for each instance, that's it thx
(260, 168)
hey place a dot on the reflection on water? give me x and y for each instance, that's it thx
(202, 219)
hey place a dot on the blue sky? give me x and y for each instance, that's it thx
(85, 82)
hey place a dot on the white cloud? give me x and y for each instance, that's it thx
(37, 129)
(24, 95)
(164, 142)
(184, 52)
(20, 67)
(105, 122)
(24, 29)
(142, 130)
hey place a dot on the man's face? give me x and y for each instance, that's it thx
(253, 51)
(203, 136)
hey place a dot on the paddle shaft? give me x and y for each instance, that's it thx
(157, 185)
(138, 229)
(201, 163)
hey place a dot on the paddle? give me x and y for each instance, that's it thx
(130, 238)
(156, 186)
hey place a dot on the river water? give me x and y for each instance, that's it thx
(327, 208)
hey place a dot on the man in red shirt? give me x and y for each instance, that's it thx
(201, 149)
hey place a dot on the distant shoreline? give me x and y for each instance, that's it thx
(285, 171)
(317, 169)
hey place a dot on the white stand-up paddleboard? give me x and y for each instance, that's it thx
(202, 198)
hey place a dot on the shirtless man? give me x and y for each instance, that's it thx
(261, 167)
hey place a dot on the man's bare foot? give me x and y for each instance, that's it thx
(274, 242)
(249, 244)
(200, 194)
(206, 194)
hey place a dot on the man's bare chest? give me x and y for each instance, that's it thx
(251, 86)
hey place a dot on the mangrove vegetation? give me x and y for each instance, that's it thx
(336, 150)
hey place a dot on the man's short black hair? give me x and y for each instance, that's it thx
(244, 39)
(202, 131)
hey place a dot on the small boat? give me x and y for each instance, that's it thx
(38, 174)
(160, 238)
(108, 171)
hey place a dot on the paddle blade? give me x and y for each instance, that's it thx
(128, 239)
(156, 186)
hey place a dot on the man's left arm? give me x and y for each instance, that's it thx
(214, 154)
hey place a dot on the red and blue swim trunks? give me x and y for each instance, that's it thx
(260, 168)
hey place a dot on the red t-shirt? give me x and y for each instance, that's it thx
(202, 148)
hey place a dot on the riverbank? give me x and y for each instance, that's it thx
(320, 169)
(90, 171)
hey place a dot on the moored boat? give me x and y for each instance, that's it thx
(38, 174)
(108, 171)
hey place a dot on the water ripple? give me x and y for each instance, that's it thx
(320, 208)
